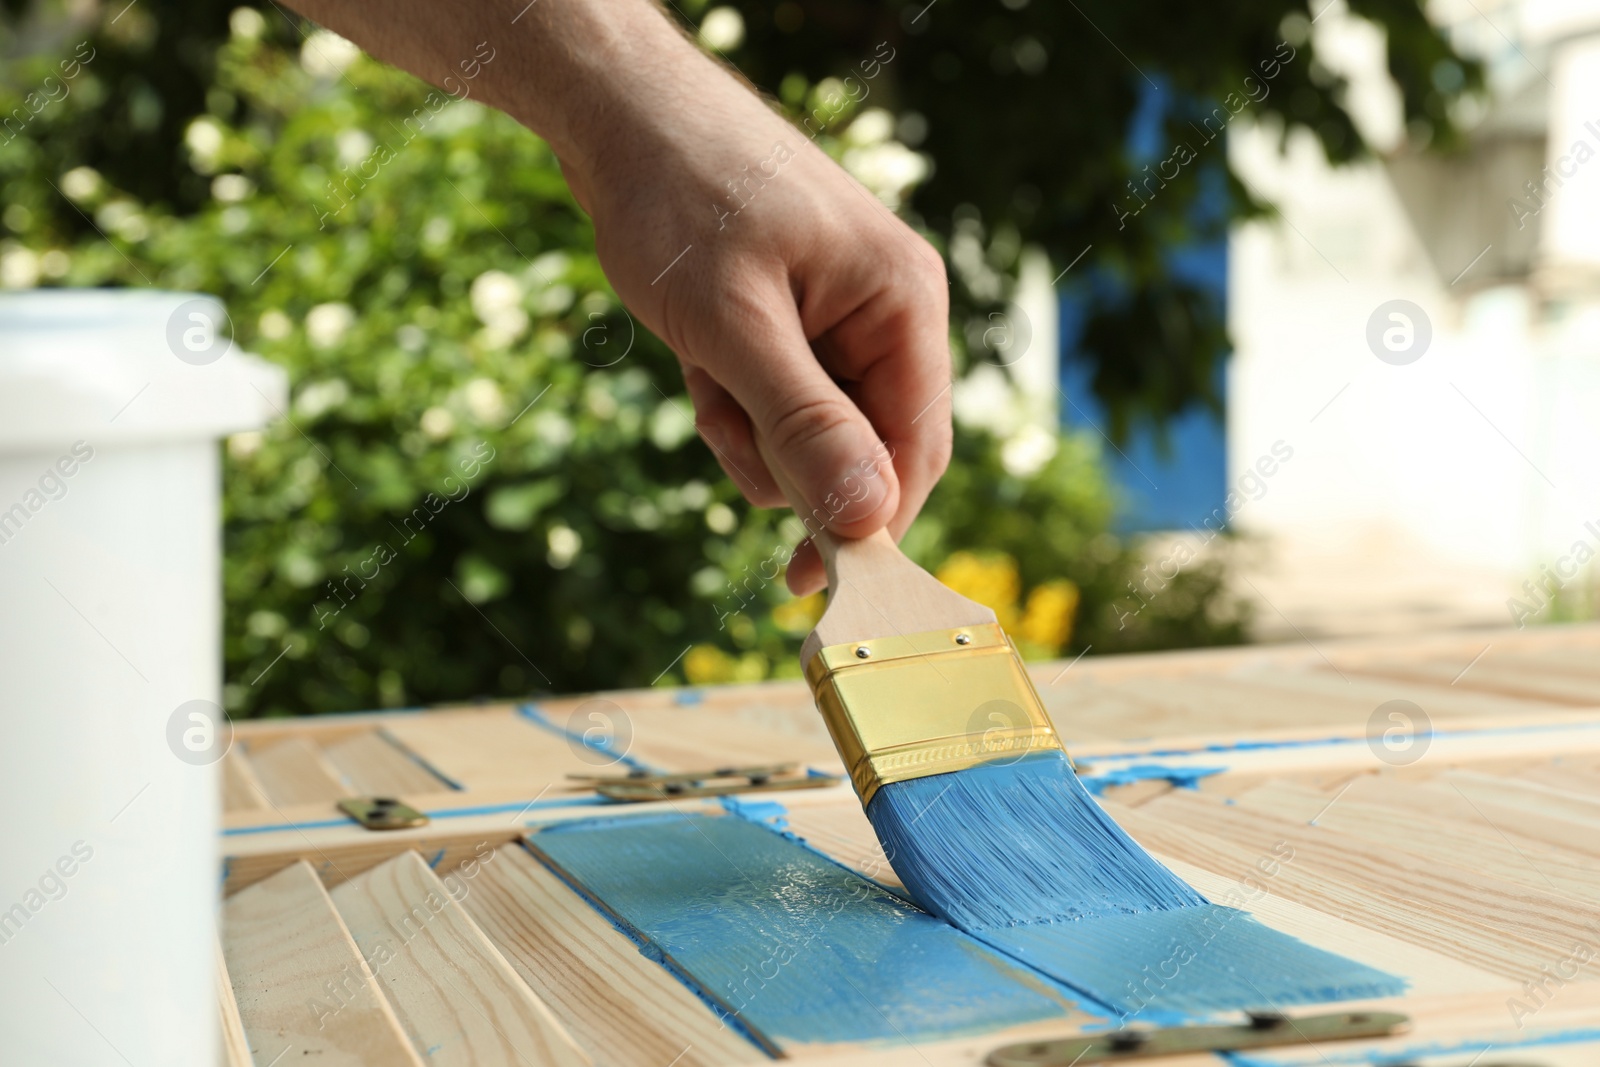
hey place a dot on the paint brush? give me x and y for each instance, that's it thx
(956, 762)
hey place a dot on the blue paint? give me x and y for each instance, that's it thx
(1332, 1054)
(798, 947)
(687, 697)
(1019, 855)
(438, 857)
(1170, 966)
(1182, 777)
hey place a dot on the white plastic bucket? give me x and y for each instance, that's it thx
(111, 406)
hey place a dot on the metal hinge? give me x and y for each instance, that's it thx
(382, 813)
(643, 785)
(1264, 1029)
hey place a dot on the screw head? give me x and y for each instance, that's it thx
(963, 639)
(863, 652)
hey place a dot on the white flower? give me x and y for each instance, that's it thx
(204, 139)
(246, 23)
(352, 146)
(872, 126)
(549, 267)
(438, 423)
(319, 397)
(274, 325)
(985, 400)
(122, 218)
(19, 268)
(494, 292)
(565, 545)
(485, 401)
(326, 324)
(244, 445)
(54, 263)
(497, 301)
(889, 169)
(671, 424)
(1028, 450)
(80, 183)
(231, 188)
(327, 55)
(722, 29)
(721, 519)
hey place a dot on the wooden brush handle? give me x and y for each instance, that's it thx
(874, 590)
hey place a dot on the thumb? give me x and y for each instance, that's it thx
(819, 447)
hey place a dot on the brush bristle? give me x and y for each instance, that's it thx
(1016, 842)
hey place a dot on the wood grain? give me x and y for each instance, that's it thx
(234, 1048)
(376, 766)
(1509, 933)
(295, 772)
(241, 789)
(621, 1007)
(287, 949)
(456, 997)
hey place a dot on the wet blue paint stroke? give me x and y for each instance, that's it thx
(797, 946)
(1019, 855)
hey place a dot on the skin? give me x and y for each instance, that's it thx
(813, 320)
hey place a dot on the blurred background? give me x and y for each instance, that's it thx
(1270, 323)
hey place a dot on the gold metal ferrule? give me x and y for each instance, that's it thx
(927, 703)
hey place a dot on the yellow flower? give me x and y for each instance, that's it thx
(796, 617)
(708, 665)
(1047, 619)
(991, 580)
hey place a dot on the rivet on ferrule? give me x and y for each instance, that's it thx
(863, 652)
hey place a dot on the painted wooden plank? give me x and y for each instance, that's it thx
(294, 771)
(286, 949)
(456, 997)
(621, 1007)
(374, 766)
(1507, 933)
(241, 789)
(234, 1050)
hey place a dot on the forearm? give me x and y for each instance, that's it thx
(577, 72)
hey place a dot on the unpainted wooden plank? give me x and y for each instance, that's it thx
(1440, 800)
(1490, 677)
(620, 1006)
(497, 747)
(241, 789)
(1399, 826)
(303, 991)
(456, 997)
(1501, 928)
(375, 766)
(295, 772)
(234, 1050)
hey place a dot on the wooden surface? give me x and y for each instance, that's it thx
(457, 998)
(286, 950)
(1465, 861)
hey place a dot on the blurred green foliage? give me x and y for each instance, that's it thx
(487, 482)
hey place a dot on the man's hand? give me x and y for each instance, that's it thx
(801, 309)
